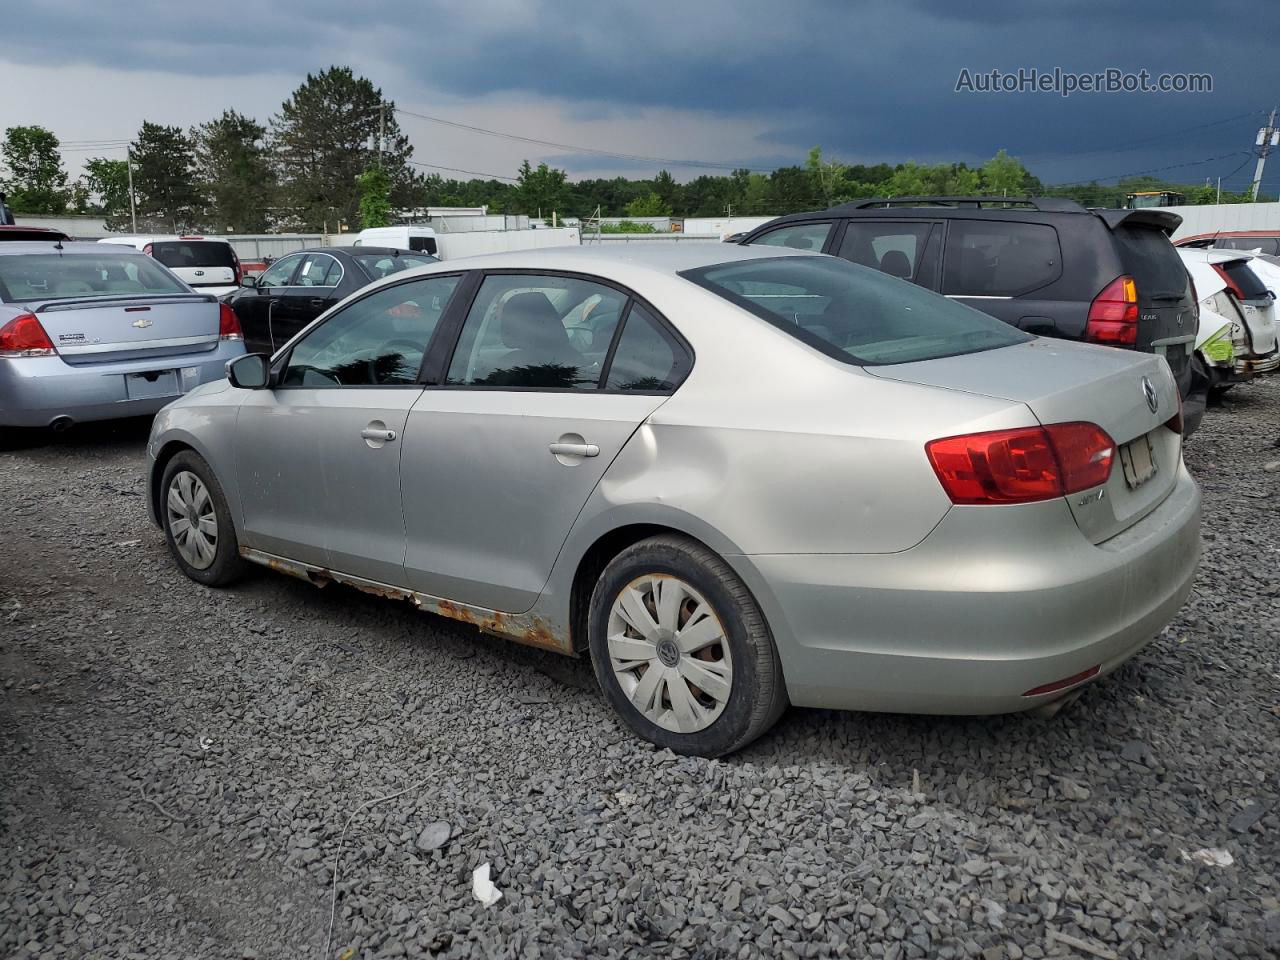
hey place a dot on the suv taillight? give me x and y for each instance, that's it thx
(24, 337)
(1113, 315)
(1023, 465)
(228, 324)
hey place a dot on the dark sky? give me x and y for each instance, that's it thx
(741, 82)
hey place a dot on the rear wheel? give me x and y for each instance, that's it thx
(681, 650)
(197, 522)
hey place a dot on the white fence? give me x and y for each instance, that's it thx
(1211, 217)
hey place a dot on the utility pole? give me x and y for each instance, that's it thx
(1219, 190)
(382, 129)
(1268, 137)
(133, 205)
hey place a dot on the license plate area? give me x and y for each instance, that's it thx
(151, 384)
(1138, 460)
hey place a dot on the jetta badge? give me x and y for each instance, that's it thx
(1148, 391)
(142, 323)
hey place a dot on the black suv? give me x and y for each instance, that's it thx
(1043, 264)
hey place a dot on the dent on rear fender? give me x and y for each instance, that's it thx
(766, 491)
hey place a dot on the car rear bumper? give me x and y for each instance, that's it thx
(1254, 365)
(37, 391)
(980, 612)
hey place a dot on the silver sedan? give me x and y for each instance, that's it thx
(89, 332)
(736, 478)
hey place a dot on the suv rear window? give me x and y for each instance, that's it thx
(193, 253)
(854, 313)
(999, 258)
(1147, 255)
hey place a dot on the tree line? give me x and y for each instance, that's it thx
(334, 157)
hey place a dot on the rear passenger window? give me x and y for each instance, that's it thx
(647, 358)
(999, 258)
(525, 330)
(898, 249)
(797, 236)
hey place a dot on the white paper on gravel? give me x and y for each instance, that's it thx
(482, 887)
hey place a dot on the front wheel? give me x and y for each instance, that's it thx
(197, 522)
(681, 649)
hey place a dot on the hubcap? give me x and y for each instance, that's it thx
(192, 519)
(669, 653)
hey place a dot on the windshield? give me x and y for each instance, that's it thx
(379, 265)
(193, 253)
(49, 276)
(854, 313)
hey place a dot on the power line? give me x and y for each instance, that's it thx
(1063, 157)
(1139, 173)
(474, 173)
(579, 149)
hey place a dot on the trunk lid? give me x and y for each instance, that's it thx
(1061, 381)
(99, 329)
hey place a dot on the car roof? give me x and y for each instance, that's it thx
(69, 248)
(1261, 234)
(352, 251)
(666, 257)
(124, 239)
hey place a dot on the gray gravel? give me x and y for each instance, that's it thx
(177, 766)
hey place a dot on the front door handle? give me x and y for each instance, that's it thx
(377, 433)
(575, 449)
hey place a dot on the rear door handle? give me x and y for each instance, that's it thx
(375, 433)
(575, 449)
(317, 302)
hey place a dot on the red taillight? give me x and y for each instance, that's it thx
(1113, 315)
(24, 337)
(228, 324)
(1024, 465)
(1174, 423)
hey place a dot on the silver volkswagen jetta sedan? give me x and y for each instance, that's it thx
(737, 478)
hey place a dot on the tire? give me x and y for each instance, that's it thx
(213, 560)
(735, 658)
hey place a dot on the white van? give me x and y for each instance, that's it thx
(208, 264)
(418, 239)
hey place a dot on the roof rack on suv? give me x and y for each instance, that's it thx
(1048, 204)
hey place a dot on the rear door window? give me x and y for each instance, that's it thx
(319, 270)
(1267, 245)
(193, 253)
(1147, 255)
(647, 358)
(1247, 282)
(999, 258)
(797, 236)
(898, 249)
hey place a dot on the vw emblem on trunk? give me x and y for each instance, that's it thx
(1148, 391)
(142, 323)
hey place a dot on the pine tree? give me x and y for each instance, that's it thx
(324, 137)
(235, 173)
(164, 177)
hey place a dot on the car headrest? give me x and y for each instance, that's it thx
(530, 322)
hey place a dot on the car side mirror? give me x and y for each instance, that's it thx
(248, 281)
(250, 372)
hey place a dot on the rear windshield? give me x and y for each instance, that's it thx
(193, 253)
(1246, 281)
(854, 313)
(51, 276)
(1147, 255)
(379, 265)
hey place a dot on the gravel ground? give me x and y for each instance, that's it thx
(178, 765)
